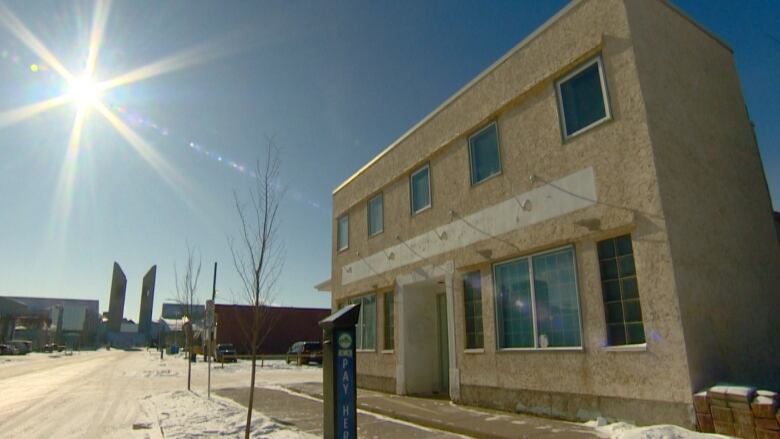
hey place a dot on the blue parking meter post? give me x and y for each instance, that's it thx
(339, 372)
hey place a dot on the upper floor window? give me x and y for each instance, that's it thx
(472, 298)
(375, 215)
(582, 98)
(536, 301)
(342, 233)
(420, 185)
(621, 293)
(484, 154)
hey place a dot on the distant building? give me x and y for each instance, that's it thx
(127, 336)
(283, 326)
(172, 324)
(41, 320)
(129, 327)
(116, 304)
(177, 311)
(147, 302)
(10, 310)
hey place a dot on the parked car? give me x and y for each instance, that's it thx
(226, 353)
(7, 349)
(304, 352)
(23, 347)
(53, 347)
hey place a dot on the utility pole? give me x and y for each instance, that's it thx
(211, 325)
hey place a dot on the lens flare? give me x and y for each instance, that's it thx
(83, 92)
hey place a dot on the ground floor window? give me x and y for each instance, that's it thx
(365, 330)
(537, 303)
(620, 291)
(472, 300)
(389, 325)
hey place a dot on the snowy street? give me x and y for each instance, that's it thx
(128, 394)
(134, 394)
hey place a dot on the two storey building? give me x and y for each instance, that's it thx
(584, 229)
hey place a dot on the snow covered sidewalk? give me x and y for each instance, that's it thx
(183, 414)
(622, 430)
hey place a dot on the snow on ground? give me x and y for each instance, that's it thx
(120, 394)
(623, 430)
(183, 414)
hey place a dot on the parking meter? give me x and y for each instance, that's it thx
(339, 373)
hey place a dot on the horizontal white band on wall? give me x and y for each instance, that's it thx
(559, 197)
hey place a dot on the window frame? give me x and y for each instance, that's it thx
(385, 295)
(604, 96)
(471, 153)
(381, 196)
(360, 325)
(338, 233)
(422, 168)
(626, 347)
(536, 347)
(466, 347)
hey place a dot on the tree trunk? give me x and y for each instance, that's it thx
(251, 393)
(189, 359)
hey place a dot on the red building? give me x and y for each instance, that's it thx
(280, 326)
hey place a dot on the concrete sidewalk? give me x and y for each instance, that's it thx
(305, 414)
(301, 406)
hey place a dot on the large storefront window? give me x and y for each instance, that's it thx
(537, 301)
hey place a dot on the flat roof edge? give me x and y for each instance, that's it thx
(495, 65)
(462, 90)
(701, 27)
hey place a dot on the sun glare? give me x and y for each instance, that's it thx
(83, 92)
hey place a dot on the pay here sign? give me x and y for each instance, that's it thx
(346, 393)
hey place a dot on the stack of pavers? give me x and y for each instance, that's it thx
(738, 411)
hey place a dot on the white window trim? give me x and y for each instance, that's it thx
(368, 215)
(338, 231)
(561, 348)
(471, 155)
(604, 94)
(536, 347)
(474, 351)
(641, 347)
(427, 167)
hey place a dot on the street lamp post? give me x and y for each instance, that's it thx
(210, 323)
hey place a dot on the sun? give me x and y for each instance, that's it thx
(84, 92)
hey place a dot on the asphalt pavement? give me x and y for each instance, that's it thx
(384, 415)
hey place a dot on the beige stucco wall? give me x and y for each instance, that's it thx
(520, 95)
(685, 276)
(715, 200)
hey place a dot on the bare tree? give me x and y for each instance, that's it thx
(186, 295)
(258, 255)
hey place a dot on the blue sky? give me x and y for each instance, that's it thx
(333, 82)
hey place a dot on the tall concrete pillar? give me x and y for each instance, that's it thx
(116, 304)
(147, 301)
